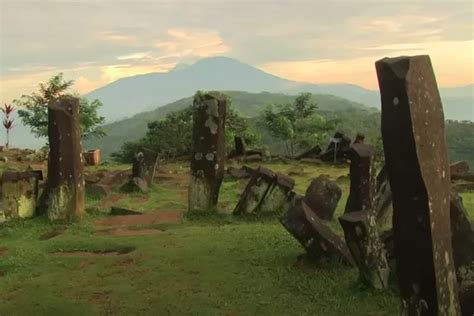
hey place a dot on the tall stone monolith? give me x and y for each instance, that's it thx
(63, 197)
(418, 170)
(208, 154)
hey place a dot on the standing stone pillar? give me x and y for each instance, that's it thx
(360, 193)
(208, 155)
(63, 196)
(417, 165)
(239, 146)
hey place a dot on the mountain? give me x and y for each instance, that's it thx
(132, 95)
(247, 104)
(129, 96)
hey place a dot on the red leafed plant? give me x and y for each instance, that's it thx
(7, 110)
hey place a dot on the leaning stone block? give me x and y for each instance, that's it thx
(320, 242)
(366, 247)
(209, 153)
(64, 195)
(417, 164)
(19, 194)
(266, 193)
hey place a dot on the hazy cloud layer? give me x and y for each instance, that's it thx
(96, 42)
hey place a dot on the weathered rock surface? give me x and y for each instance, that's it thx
(463, 252)
(322, 197)
(360, 194)
(417, 164)
(320, 242)
(459, 167)
(366, 247)
(64, 195)
(209, 154)
(19, 194)
(266, 193)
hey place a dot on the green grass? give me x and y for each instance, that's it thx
(212, 264)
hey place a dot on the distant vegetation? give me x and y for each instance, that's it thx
(246, 105)
(171, 136)
(33, 109)
(347, 116)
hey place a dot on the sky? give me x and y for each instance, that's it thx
(97, 42)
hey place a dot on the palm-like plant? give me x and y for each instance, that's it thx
(7, 110)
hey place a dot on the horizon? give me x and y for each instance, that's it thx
(294, 41)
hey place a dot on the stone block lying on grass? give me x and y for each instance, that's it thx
(320, 242)
(19, 194)
(266, 193)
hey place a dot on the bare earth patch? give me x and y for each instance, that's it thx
(166, 217)
(87, 254)
(121, 231)
(3, 251)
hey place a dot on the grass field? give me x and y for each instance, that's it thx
(202, 265)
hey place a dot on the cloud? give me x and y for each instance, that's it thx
(360, 70)
(182, 42)
(98, 41)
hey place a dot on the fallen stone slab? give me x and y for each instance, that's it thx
(459, 167)
(366, 247)
(320, 242)
(465, 176)
(252, 158)
(311, 153)
(266, 193)
(322, 196)
(238, 173)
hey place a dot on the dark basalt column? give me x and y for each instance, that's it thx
(463, 252)
(367, 248)
(64, 193)
(360, 194)
(320, 242)
(266, 193)
(239, 146)
(208, 155)
(417, 164)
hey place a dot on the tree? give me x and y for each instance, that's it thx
(7, 110)
(171, 137)
(34, 109)
(297, 124)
